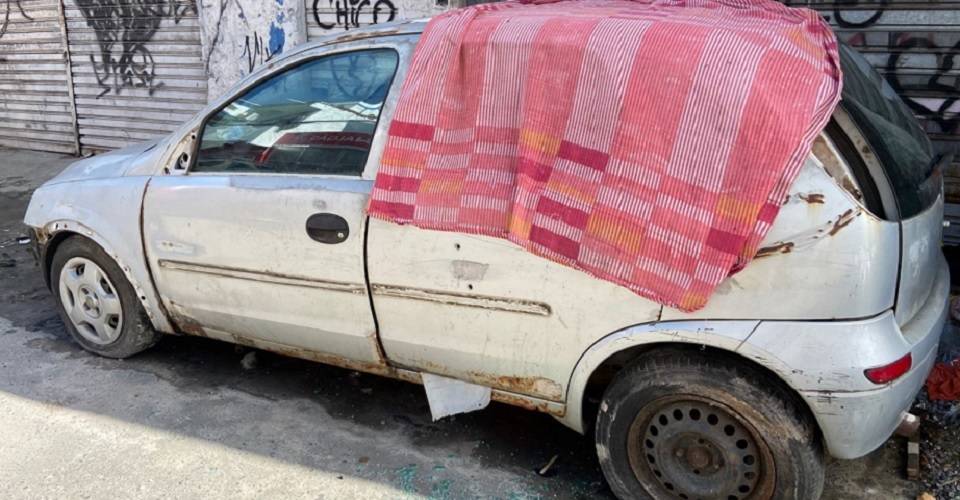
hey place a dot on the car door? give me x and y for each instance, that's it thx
(483, 310)
(261, 239)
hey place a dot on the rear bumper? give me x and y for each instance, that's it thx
(856, 423)
(824, 362)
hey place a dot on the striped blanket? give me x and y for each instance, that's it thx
(649, 143)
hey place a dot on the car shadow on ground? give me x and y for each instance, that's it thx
(500, 438)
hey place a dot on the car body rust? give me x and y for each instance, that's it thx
(527, 403)
(464, 299)
(843, 221)
(189, 326)
(812, 198)
(830, 228)
(532, 386)
(183, 323)
(784, 247)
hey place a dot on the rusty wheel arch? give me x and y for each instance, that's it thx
(48, 248)
(603, 375)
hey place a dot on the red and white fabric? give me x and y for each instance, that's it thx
(648, 143)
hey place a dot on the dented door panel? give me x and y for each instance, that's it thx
(922, 235)
(484, 310)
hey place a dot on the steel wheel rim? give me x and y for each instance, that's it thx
(91, 301)
(690, 447)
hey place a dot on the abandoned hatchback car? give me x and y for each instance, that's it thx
(250, 225)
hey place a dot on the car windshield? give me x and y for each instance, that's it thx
(891, 129)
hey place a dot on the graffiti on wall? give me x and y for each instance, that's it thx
(123, 29)
(940, 114)
(348, 14)
(920, 64)
(257, 52)
(8, 7)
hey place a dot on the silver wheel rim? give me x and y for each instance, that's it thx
(91, 301)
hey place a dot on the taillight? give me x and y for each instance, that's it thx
(889, 372)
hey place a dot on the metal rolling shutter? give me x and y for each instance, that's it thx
(137, 68)
(35, 103)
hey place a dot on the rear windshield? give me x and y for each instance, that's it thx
(891, 129)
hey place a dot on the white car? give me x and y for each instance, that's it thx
(248, 225)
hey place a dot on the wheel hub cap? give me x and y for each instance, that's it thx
(90, 301)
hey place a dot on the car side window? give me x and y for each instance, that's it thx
(316, 118)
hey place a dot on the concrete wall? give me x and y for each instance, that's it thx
(239, 35)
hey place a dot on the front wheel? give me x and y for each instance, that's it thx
(97, 304)
(680, 423)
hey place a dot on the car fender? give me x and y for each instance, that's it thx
(725, 335)
(107, 211)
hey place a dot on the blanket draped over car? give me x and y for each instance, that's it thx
(648, 143)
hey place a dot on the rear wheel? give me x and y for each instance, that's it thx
(97, 304)
(681, 423)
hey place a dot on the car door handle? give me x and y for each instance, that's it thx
(328, 228)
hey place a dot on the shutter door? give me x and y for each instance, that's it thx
(35, 108)
(137, 69)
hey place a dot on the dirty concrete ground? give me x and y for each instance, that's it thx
(196, 417)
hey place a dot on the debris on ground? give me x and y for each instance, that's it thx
(926, 496)
(249, 360)
(943, 383)
(545, 470)
(913, 458)
(939, 406)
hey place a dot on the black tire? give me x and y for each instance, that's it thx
(136, 333)
(675, 411)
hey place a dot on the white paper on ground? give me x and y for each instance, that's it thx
(449, 396)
